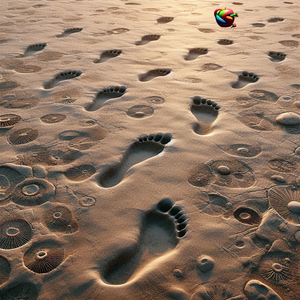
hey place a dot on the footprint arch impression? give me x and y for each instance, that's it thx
(161, 229)
(140, 150)
(206, 111)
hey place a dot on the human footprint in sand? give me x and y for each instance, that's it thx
(143, 148)
(161, 229)
(206, 112)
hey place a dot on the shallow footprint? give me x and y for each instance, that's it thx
(244, 79)
(104, 95)
(195, 52)
(154, 73)
(164, 20)
(206, 111)
(275, 20)
(225, 42)
(147, 39)
(69, 74)
(160, 231)
(69, 31)
(276, 56)
(108, 54)
(143, 148)
(256, 290)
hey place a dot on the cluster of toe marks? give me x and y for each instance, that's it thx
(166, 206)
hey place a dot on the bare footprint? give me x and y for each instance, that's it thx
(34, 48)
(206, 112)
(160, 231)
(108, 54)
(143, 148)
(276, 56)
(244, 79)
(147, 39)
(69, 74)
(105, 94)
(195, 52)
(69, 31)
(154, 73)
(275, 20)
(164, 20)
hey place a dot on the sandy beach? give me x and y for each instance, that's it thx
(147, 152)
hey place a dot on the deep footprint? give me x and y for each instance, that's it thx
(143, 148)
(276, 56)
(104, 95)
(69, 31)
(195, 52)
(147, 39)
(154, 73)
(60, 77)
(206, 112)
(244, 79)
(108, 54)
(160, 231)
(34, 48)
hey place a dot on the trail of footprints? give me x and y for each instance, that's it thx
(165, 222)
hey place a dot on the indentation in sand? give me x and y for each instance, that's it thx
(158, 235)
(142, 149)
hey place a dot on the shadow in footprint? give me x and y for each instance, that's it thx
(143, 148)
(225, 42)
(60, 77)
(33, 48)
(154, 73)
(244, 79)
(108, 54)
(147, 39)
(206, 112)
(275, 20)
(258, 24)
(164, 20)
(195, 52)
(276, 56)
(104, 95)
(69, 31)
(160, 231)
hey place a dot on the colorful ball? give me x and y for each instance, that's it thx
(225, 17)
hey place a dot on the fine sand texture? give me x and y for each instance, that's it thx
(147, 152)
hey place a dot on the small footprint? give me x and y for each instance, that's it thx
(164, 20)
(225, 42)
(69, 74)
(108, 54)
(69, 31)
(244, 79)
(275, 20)
(276, 56)
(147, 39)
(34, 48)
(105, 94)
(142, 149)
(206, 112)
(258, 25)
(161, 229)
(154, 73)
(195, 52)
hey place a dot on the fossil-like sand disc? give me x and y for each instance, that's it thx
(23, 136)
(20, 291)
(288, 119)
(14, 233)
(80, 173)
(140, 111)
(33, 192)
(44, 257)
(247, 215)
(9, 120)
(53, 118)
